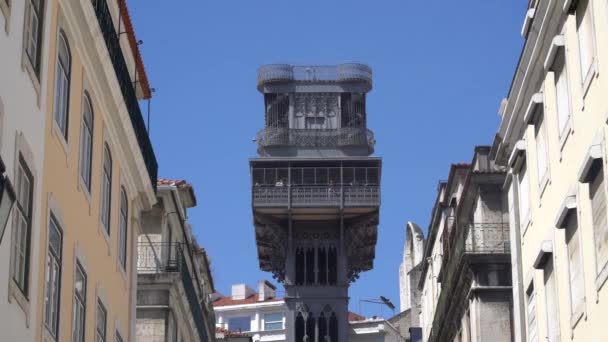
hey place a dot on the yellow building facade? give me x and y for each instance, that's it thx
(553, 139)
(99, 174)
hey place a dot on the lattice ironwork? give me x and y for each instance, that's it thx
(339, 137)
(331, 196)
(104, 18)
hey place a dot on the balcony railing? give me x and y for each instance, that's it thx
(158, 257)
(104, 18)
(348, 72)
(339, 137)
(488, 238)
(316, 196)
(485, 238)
(164, 257)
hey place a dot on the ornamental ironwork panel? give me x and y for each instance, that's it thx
(339, 137)
(158, 257)
(328, 195)
(104, 18)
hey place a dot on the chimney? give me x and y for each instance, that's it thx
(266, 290)
(241, 291)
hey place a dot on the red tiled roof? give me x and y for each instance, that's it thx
(141, 71)
(353, 317)
(227, 301)
(179, 183)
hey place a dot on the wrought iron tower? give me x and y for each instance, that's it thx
(315, 192)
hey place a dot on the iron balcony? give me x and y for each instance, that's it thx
(316, 196)
(316, 138)
(104, 18)
(158, 259)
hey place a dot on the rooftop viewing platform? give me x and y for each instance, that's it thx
(285, 73)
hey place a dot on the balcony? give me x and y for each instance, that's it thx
(316, 138)
(488, 238)
(316, 187)
(165, 263)
(316, 196)
(104, 18)
(348, 72)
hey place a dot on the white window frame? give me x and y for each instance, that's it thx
(53, 281)
(61, 100)
(587, 72)
(266, 321)
(86, 141)
(531, 308)
(34, 15)
(80, 305)
(123, 228)
(106, 189)
(22, 227)
(101, 327)
(595, 158)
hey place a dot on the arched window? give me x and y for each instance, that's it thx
(310, 265)
(122, 234)
(62, 84)
(86, 141)
(310, 328)
(333, 328)
(300, 266)
(106, 188)
(322, 325)
(322, 265)
(300, 330)
(332, 265)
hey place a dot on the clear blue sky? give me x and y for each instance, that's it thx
(440, 69)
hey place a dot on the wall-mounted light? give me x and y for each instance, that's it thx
(7, 198)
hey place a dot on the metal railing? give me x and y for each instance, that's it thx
(356, 72)
(338, 137)
(166, 257)
(104, 18)
(488, 238)
(321, 196)
(158, 257)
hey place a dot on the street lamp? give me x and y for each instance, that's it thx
(7, 198)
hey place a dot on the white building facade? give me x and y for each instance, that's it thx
(261, 315)
(22, 123)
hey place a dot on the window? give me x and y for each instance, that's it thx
(239, 323)
(22, 227)
(584, 29)
(531, 314)
(53, 278)
(575, 265)
(122, 234)
(493, 275)
(597, 194)
(86, 141)
(33, 32)
(273, 321)
(102, 316)
(551, 302)
(62, 85)
(524, 196)
(562, 94)
(541, 151)
(106, 188)
(80, 295)
(322, 272)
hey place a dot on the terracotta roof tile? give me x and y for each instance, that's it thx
(227, 301)
(178, 183)
(353, 317)
(141, 70)
(228, 333)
